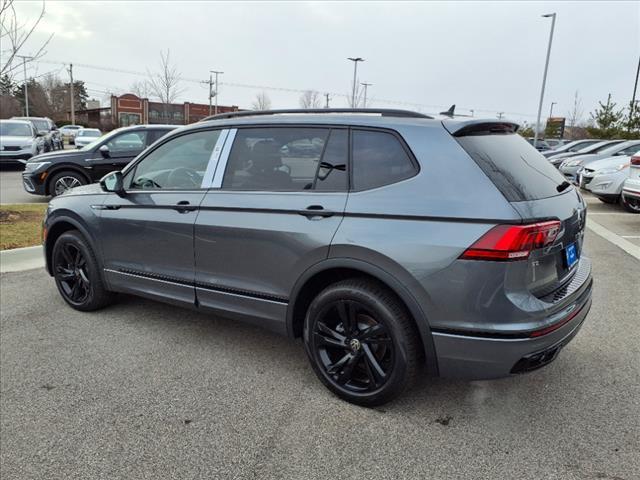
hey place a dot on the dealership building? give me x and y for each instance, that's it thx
(129, 109)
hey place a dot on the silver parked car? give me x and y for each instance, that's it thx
(569, 167)
(604, 178)
(630, 198)
(385, 239)
(19, 141)
(570, 147)
(595, 148)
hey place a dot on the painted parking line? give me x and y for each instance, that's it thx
(611, 213)
(626, 245)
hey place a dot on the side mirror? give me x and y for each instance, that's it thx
(104, 150)
(112, 182)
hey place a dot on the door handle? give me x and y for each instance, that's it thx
(316, 211)
(183, 206)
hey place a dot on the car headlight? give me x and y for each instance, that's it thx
(33, 166)
(27, 144)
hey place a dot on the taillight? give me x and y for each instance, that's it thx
(512, 242)
(635, 160)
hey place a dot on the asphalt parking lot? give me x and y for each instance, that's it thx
(145, 390)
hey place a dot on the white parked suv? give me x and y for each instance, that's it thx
(631, 187)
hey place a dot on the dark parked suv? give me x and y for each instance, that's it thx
(54, 173)
(387, 240)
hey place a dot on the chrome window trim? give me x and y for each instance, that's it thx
(224, 157)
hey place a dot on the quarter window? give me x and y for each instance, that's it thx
(275, 159)
(178, 164)
(379, 159)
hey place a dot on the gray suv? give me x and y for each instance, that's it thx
(389, 241)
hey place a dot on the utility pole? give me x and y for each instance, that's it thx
(551, 109)
(632, 107)
(500, 114)
(326, 96)
(365, 85)
(355, 61)
(26, 90)
(472, 111)
(73, 108)
(210, 90)
(544, 77)
(216, 72)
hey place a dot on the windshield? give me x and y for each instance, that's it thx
(41, 125)
(89, 133)
(15, 129)
(612, 149)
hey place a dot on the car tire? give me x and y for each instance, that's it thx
(65, 180)
(361, 342)
(631, 206)
(77, 273)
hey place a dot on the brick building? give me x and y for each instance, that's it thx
(129, 109)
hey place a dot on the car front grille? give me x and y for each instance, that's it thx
(7, 148)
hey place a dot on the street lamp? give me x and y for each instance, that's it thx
(544, 77)
(551, 109)
(355, 61)
(365, 85)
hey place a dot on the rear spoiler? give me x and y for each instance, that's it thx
(463, 128)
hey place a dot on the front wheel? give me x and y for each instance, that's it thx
(361, 342)
(64, 181)
(77, 273)
(631, 205)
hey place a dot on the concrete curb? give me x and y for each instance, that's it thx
(19, 259)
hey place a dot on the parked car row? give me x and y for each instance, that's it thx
(602, 167)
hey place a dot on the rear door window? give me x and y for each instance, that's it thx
(379, 159)
(275, 159)
(518, 170)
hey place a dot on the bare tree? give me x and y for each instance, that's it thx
(576, 112)
(310, 99)
(14, 34)
(141, 88)
(262, 102)
(165, 84)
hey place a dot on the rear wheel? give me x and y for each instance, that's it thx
(361, 342)
(630, 204)
(77, 273)
(64, 181)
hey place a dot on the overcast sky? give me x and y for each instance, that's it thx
(486, 56)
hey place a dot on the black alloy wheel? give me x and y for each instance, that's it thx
(76, 273)
(630, 204)
(361, 342)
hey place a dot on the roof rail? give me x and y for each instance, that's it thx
(384, 112)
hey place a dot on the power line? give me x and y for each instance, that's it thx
(284, 89)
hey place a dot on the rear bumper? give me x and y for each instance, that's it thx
(483, 357)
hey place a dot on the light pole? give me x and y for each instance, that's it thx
(26, 91)
(355, 61)
(544, 77)
(365, 85)
(551, 109)
(216, 72)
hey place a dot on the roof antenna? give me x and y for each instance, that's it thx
(449, 113)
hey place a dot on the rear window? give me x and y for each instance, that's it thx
(518, 170)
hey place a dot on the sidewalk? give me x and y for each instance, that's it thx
(19, 259)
